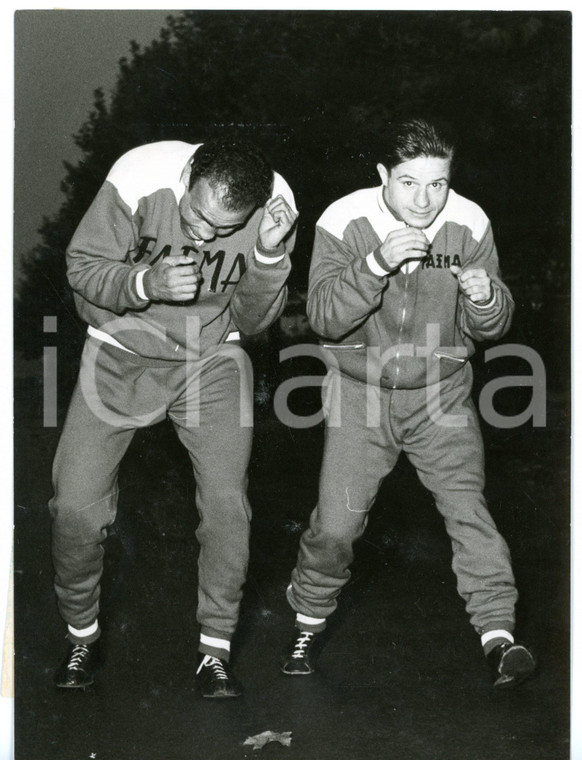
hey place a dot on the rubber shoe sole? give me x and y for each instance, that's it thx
(516, 665)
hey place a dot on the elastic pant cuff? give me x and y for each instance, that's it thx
(222, 654)
(499, 638)
(310, 627)
(304, 625)
(84, 639)
(496, 625)
(212, 644)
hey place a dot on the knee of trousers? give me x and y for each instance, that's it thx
(229, 532)
(81, 522)
(220, 503)
(463, 506)
(337, 529)
(327, 550)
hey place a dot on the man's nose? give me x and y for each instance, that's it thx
(206, 231)
(421, 198)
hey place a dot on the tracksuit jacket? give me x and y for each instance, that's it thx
(354, 305)
(132, 222)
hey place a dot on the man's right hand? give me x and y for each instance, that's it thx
(173, 278)
(402, 244)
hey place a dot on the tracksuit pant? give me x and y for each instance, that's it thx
(449, 461)
(209, 402)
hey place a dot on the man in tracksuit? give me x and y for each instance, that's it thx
(183, 247)
(404, 277)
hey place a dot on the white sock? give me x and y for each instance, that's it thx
(84, 632)
(499, 634)
(215, 643)
(308, 620)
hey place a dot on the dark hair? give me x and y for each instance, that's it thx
(415, 138)
(236, 168)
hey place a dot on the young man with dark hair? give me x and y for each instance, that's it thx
(403, 279)
(183, 246)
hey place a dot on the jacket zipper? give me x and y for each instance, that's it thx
(400, 331)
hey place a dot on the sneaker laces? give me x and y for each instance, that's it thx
(78, 656)
(302, 641)
(216, 665)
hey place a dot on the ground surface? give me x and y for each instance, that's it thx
(402, 675)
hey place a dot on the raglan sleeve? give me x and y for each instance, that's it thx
(261, 294)
(98, 266)
(489, 321)
(343, 290)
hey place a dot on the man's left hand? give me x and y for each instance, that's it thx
(474, 283)
(278, 220)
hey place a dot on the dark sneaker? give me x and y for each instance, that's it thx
(77, 670)
(510, 664)
(215, 678)
(298, 659)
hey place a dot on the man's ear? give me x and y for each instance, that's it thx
(383, 172)
(185, 178)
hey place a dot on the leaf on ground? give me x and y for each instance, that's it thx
(259, 741)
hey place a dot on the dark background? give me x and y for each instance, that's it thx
(403, 675)
(55, 76)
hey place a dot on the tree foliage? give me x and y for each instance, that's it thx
(317, 90)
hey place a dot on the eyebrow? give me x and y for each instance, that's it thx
(214, 226)
(409, 176)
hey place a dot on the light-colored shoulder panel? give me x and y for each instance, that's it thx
(464, 212)
(143, 170)
(361, 203)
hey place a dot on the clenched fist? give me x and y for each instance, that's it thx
(475, 284)
(403, 244)
(173, 278)
(278, 220)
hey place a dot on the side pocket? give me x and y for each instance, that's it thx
(442, 355)
(344, 346)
